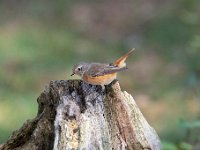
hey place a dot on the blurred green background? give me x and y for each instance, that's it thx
(41, 40)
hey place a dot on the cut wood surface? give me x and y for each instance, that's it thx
(73, 115)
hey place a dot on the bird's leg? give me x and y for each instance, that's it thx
(103, 88)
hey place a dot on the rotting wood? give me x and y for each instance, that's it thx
(75, 115)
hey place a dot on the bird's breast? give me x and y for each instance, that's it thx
(100, 80)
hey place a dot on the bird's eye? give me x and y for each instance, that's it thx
(79, 68)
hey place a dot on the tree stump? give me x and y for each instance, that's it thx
(73, 115)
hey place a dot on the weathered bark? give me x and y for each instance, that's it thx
(75, 115)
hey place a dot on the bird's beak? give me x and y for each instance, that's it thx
(72, 74)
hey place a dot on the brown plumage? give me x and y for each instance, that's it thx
(101, 74)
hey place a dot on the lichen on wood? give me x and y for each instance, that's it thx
(75, 115)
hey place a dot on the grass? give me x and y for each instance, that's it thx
(15, 110)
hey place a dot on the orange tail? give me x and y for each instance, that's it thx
(121, 61)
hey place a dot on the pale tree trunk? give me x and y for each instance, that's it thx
(73, 115)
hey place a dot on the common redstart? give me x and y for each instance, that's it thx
(99, 73)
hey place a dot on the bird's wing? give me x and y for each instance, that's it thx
(97, 69)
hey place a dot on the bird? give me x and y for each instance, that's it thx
(100, 73)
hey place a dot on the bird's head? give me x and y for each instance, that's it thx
(79, 69)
